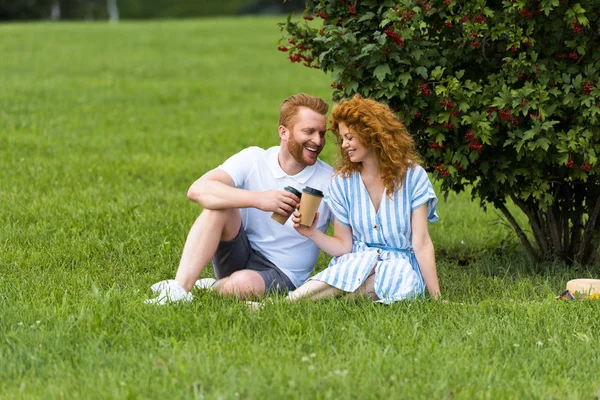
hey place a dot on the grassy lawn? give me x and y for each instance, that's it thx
(102, 130)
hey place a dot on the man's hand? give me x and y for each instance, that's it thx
(278, 201)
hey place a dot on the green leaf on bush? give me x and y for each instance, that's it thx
(437, 73)
(367, 16)
(368, 48)
(416, 54)
(350, 88)
(404, 78)
(422, 71)
(499, 102)
(547, 125)
(381, 71)
(544, 143)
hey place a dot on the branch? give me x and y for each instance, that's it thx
(520, 234)
(553, 224)
(575, 234)
(566, 243)
(538, 233)
(589, 231)
(545, 226)
(553, 230)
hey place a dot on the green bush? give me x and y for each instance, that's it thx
(503, 96)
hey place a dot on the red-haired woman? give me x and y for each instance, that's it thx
(382, 200)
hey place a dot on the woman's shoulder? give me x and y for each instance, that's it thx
(414, 167)
(344, 176)
(415, 171)
(342, 183)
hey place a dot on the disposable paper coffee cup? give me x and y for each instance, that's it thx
(282, 219)
(309, 204)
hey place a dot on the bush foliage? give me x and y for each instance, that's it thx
(503, 96)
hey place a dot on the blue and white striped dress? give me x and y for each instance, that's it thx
(382, 238)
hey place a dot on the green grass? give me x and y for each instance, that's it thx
(102, 130)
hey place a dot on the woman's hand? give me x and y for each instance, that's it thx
(306, 231)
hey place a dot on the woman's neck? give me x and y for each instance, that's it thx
(370, 169)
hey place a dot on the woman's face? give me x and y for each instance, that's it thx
(356, 151)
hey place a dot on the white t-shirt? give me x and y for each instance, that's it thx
(258, 170)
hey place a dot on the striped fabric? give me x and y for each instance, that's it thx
(381, 239)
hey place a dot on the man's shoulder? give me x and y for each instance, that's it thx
(323, 166)
(248, 156)
(253, 151)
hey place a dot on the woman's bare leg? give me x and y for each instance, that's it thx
(367, 289)
(314, 289)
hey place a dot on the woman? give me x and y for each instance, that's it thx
(382, 200)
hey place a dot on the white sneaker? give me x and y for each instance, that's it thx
(205, 283)
(168, 292)
(255, 305)
(159, 287)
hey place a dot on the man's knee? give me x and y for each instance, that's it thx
(242, 284)
(227, 221)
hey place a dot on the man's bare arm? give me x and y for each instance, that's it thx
(215, 190)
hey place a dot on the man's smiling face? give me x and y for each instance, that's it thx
(307, 137)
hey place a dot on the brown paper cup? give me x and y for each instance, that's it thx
(282, 219)
(309, 204)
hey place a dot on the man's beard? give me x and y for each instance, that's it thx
(297, 152)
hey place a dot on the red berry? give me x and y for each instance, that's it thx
(479, 19)
(526, 13)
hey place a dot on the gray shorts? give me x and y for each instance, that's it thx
(237, 254)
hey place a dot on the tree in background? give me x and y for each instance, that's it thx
(138, 9)
(59, 9)
(22, 10)
(113, 10)
(502, 96)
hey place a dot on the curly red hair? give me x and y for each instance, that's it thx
(376, 126)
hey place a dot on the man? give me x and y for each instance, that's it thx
(251, 253)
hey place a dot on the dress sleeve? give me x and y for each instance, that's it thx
(238, 165)
(422, 192)
(337, 200)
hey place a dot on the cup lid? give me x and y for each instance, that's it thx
(293, 190)
(312, 191)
